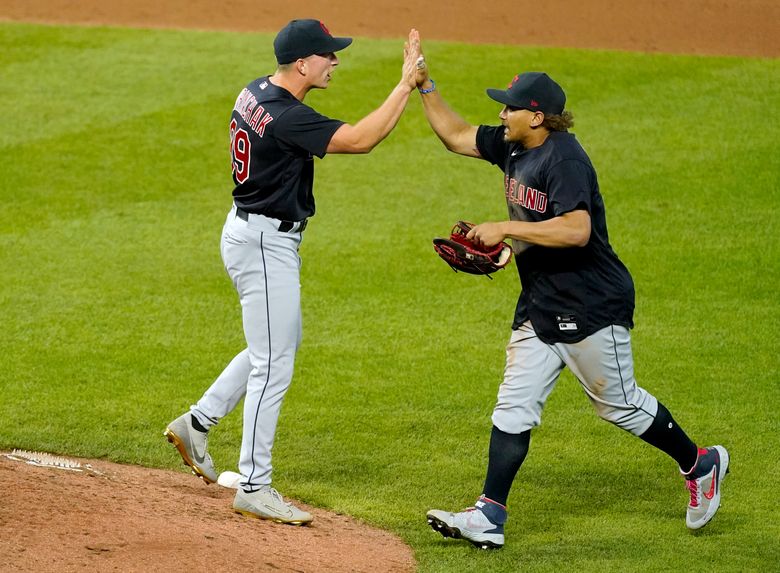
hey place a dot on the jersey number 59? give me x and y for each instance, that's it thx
(239, 151)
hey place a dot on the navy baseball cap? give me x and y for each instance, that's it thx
(303, 38)
(535, 91)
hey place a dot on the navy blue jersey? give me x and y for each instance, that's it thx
(567, 293)
(273, 140)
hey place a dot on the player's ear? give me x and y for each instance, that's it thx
(537, 119)
(300, 65)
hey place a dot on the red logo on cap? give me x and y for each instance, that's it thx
(514, 79)
(534, 103)
(325, 28)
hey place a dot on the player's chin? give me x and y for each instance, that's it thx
(509, 136)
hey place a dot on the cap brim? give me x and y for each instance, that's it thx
(500, 96)
(336, 44)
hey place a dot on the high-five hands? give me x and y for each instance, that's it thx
(411, 57)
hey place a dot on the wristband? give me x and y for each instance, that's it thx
(431, 89)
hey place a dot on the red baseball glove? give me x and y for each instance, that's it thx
(468, 257)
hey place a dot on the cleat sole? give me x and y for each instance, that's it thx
(253, 515)
(177, 443)
(454, 533)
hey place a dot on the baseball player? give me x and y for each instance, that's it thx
(576, 304)
(274, 137)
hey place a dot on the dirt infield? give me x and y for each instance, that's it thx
(726, 27)
(127, 518)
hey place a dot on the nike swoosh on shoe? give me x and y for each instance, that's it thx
(713, 484)
(200, 456)
(288, 513)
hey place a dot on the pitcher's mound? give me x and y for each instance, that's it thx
(112, 517)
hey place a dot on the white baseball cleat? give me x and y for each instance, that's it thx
(267, 503)
(703, 482)
(192, 446)
(472, 524)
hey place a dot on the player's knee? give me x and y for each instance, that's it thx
(631, 419)
(515, 421)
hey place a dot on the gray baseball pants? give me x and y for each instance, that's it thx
(264, 265)
(602, 363)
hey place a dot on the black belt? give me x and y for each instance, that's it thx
(284, 226)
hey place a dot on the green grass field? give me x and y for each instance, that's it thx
(117, 313)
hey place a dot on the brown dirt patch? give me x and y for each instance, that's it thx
(129, 518)
(728, 27)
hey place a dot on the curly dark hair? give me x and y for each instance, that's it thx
(560, 122)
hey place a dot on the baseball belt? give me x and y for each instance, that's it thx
(284, 226)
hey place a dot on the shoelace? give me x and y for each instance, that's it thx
(693, 487)
(278, 496)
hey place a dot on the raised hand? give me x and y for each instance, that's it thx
(412, 56)
(421, 71)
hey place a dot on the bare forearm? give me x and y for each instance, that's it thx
(456, 134)
(378, 124)
(571, 229)
(372, 129)
(556, 232)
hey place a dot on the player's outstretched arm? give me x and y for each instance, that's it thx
(456, 133)
(571, 229)
(372, 129)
